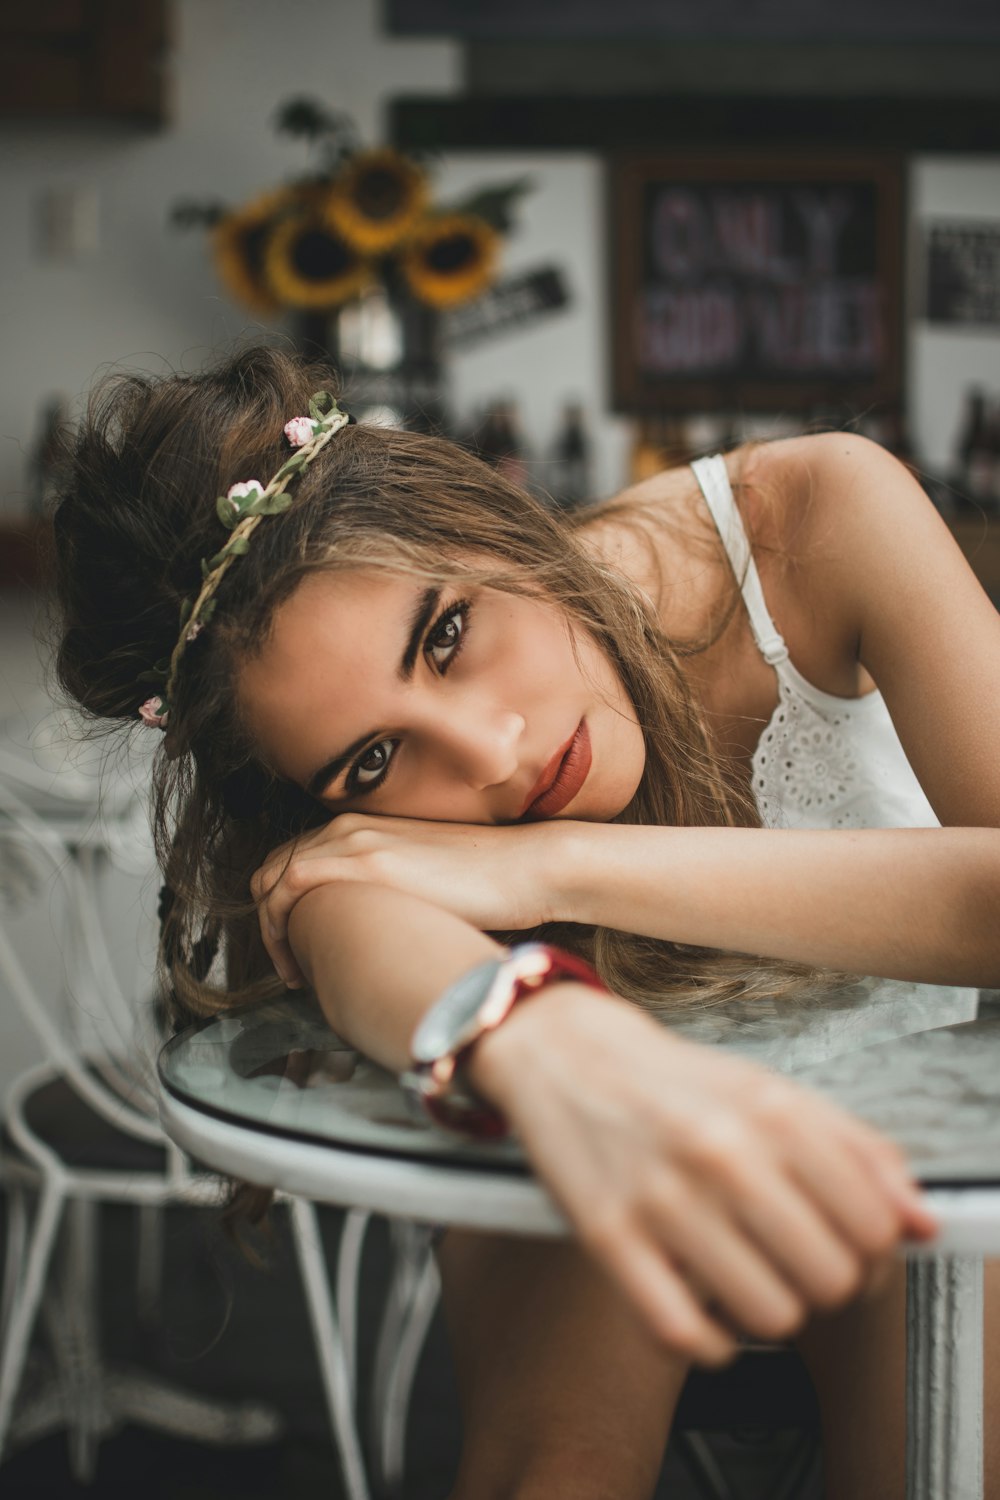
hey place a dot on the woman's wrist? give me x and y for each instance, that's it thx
(574, 872)
(504, 1061)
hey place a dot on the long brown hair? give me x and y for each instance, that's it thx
(136, 517)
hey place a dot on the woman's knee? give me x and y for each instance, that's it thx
(563, 1389)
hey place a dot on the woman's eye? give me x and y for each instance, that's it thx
(446, 637)
(372, 766)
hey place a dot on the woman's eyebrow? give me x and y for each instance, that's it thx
(420, 618)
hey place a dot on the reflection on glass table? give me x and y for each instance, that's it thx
(875, 1046)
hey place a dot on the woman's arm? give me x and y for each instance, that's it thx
(910, 903)
(694, 1177)
(906, 903)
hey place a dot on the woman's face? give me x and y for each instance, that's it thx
(378, 693)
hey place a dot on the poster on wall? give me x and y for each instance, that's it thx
(962, 266)
(755, 282)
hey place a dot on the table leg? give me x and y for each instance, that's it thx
(944, 1378)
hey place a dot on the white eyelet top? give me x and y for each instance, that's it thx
(821, 761)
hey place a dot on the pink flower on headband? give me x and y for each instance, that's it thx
(300, 430)
(152, 713)
(240, 491)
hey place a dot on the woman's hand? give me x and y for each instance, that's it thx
(496, 878)
(717, 1193)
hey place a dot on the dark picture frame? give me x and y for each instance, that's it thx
(758, 281)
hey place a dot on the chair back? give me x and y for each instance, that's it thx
(66, 822)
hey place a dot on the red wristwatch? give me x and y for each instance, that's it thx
(474, 1004)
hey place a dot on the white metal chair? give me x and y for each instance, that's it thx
(81, 1129)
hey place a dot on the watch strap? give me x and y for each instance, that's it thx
(437, 1083)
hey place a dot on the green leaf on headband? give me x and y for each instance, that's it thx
(157, 678)
(207, 563)
(187, 606)
(274, 505)
(292, 465)
(321, 404)
(228, 511)
(208, 610)
(237, 547)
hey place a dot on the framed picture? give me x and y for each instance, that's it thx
(962, 273)
(757, 282)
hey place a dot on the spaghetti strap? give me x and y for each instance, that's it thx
(713, 480)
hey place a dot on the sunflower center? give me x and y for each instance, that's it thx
(253, 242)
(317, 256)
(380, 193)
(451, 252)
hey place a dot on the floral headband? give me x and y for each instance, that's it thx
(241, 510)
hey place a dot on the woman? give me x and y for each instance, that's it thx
(474, 717)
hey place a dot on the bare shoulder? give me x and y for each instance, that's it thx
(648, 530)
(803, 495)
(863, 543)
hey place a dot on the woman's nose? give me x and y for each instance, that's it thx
(482, 744)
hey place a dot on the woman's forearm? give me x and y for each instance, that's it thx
(377, 959)
(909, 903)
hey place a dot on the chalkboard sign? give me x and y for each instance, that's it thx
(963, 274)
(755, 283)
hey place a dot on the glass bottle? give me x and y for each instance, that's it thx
(571, 459)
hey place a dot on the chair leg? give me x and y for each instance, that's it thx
(329, 1346)
(395, 1406)
(18, 1331)
(149, 1262)
(352, 1237)
(703, 1466)
(81, 1299)
(801, 1470)
(17, 1234)
(411, 1251)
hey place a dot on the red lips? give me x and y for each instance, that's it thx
(562, 778)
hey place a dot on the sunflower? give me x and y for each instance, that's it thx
(450, 258)
(239, 241)
(377, 199)
(307, 263)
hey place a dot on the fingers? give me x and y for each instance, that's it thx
(755, 1292)
(823, 1265)
(272, 916)
(288, 971)
(277, 886)
(658, 1291)
(887, 1163)
(848, 1189)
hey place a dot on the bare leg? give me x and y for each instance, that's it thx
(991, 1380)
(563, 1391)
(857, 1360)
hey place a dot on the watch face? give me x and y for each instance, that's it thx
(453, 1019)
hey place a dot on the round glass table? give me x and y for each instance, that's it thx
(270, 1095)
